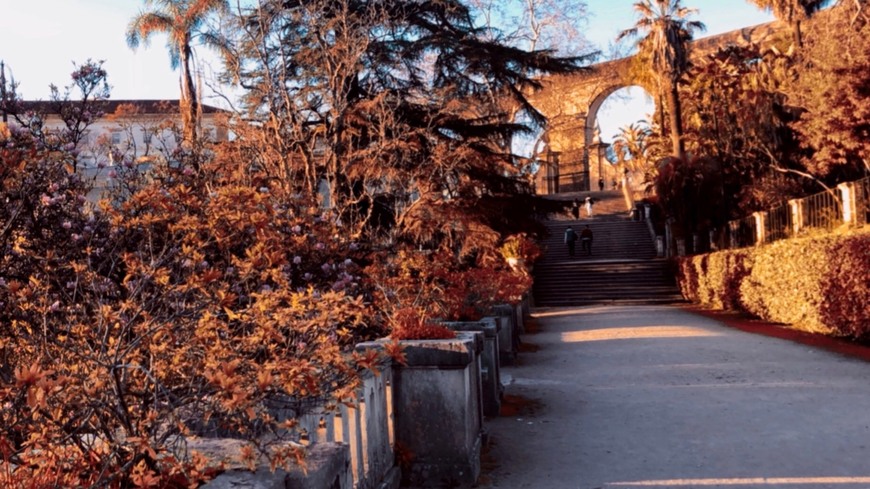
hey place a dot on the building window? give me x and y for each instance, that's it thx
(146, 137)
(116, 137)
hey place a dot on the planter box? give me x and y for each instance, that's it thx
(490, 365)
(438, 410)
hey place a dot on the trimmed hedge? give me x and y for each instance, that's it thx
(819, 284)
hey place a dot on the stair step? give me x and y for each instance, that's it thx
(622, 269)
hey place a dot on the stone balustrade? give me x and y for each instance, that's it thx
(419, 424)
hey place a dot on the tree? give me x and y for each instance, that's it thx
(397, 111)
(635, 150)
(792, 12)
(91, 89)
(740, 117)
(832, 92)
(535, 24)
(181, 21)
(667, 35)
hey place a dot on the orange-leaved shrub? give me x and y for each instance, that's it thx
(816, 284)
(207, 303)
(412, 324)
(440, 285)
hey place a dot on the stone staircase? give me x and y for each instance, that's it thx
(622, 268)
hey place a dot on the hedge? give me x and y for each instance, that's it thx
(819, 284)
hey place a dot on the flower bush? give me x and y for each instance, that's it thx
(194, 302)
(201, 303)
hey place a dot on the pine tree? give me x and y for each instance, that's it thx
(401, 109)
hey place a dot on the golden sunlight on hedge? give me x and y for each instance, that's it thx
(817, 284)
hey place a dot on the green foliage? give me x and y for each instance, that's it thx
(816, 284)
(833, 90)
(665, 44)
(690, 192)
(714, 279)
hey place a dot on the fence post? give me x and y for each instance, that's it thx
(797, 215)
(734, 228)
(847, 192)
(760, 227)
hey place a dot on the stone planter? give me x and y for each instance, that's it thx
(489, 361)
(438, 410)
(508, 334)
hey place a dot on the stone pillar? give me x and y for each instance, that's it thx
(797, 215)
(437, 408)
(760, 228)
(734, 228)
(489, 359)
(850, 207)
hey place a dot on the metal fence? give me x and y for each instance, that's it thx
(742, 232)
(779, 223)
(823, 210)
(862, 200)
(569, 182)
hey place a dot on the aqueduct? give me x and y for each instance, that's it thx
(575, 155)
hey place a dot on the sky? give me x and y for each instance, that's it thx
(41, 39)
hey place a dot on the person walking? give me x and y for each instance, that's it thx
(575, 208)
(600, 184)
(589, 202)
(586, 240)
(570, 240)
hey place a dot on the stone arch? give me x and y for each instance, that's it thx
(571, 105)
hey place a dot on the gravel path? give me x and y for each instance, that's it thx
(656, 396)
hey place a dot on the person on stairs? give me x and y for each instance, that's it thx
(575, 208)
(586, 240)
(589, 202)
(570, 240)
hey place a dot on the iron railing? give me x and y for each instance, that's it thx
(742, 232)
(823, 210)
(862, 200)
(778, 224)
(569, 182)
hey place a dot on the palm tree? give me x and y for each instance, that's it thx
(182, 21)
(666, 40)
(792, 12)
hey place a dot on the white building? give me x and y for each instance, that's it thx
(140, 131)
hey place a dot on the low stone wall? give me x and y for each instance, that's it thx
(351, 446)
(508, 335)
(327, 466)
(426, 416)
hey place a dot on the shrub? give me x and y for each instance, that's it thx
(412, 324)
(847, 282)
(816, 284)
(203, 303)
(443, 286)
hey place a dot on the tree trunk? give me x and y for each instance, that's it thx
(798, 37)
(189, 102)
(676, 122)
